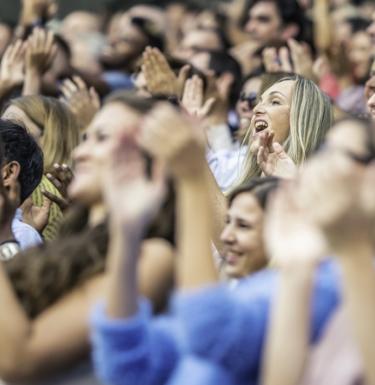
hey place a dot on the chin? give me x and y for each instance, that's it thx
(233, 272)
(83, 195)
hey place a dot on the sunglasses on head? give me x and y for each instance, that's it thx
(250, 98)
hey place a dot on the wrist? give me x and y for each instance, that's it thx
(33, 71)
(6, 234)
(127, 230)
(196, 176)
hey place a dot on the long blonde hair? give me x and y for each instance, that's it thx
(310, 118)
(60, 129)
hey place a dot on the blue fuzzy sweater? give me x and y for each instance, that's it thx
(213, 336)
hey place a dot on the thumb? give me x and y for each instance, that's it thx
(46, 205)
(207, 107)
(27, 204)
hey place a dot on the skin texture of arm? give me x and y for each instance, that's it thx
(32, 84)
(195, 264)
(322, 21)
(295, 287)
(359, 294)
(218, 201)
(51, 341)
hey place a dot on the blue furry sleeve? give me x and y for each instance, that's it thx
(135, 351)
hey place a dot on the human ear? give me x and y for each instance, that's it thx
(10, 173)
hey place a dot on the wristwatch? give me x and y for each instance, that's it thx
(9, 249)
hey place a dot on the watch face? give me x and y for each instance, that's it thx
(8, 250)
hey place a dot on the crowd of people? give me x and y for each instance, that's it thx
(187, 194)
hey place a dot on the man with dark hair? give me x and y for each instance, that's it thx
(22, 165)
(275, 20)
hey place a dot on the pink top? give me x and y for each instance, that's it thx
(335, 360)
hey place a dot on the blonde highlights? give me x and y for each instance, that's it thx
(60, 131)
(310, 118)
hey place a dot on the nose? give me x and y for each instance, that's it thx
(371, 102)
(227, 236)
(371, 29)
(81, 151)
(259, 108)
(250, 26)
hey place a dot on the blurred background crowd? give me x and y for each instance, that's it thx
(187, 192)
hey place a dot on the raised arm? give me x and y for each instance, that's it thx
(350, 236)
(128, 347)
(40, 53)
(172, 137)
(295, 247)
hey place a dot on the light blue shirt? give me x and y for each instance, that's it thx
(24, 234)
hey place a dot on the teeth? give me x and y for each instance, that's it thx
(260, 125)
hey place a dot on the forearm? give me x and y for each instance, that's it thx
(285, 357)
(195, 262)
(15, 327)
(359, 297)
(122, 295)
(32, 84)
(218, 203)
(322, 22)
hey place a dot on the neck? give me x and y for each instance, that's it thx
(97, 214)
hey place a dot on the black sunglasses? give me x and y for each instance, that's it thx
(250, 98)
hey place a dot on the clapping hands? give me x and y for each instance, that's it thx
(40, 51)
(84, 102)
(160, 78)
(295, 58)
(12, 69)
(271, 156)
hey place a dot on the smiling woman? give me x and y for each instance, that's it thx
(68, 274)
(244, 251)
(294, 114)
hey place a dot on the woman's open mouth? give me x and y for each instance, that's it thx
(260, 125)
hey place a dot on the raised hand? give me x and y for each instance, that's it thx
(176, 139)
(60, 177)
(291, 239)
(12, 69)
(330, 190)
(40, 51)
(193, 98)
(275, 61)
(37, 10)
(281, 60)
(274, 161)
(36, 216)
(303, 63)
(160, 78)
(84, 102)
(133, 198)
(271, 157)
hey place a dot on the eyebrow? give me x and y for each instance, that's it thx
(274, 93)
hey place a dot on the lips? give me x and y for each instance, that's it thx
(231, 257)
